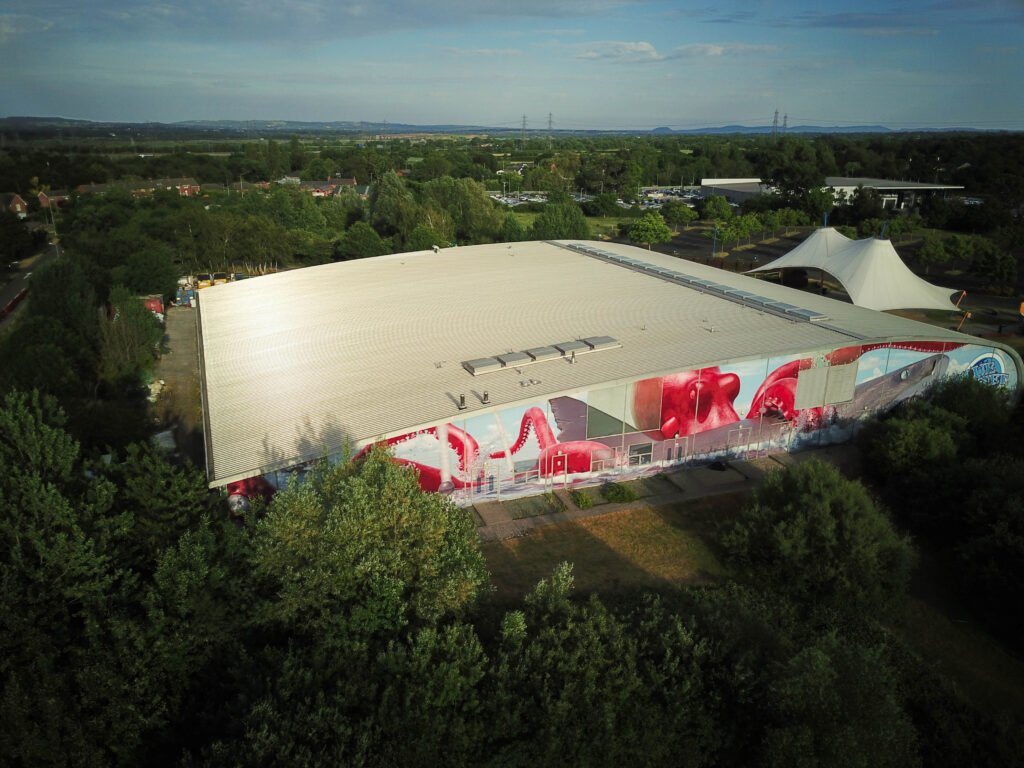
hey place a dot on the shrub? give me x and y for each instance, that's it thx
(618, 493)
(581, 498)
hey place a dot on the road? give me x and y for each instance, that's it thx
(20, 279)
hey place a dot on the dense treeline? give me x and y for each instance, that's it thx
(350, 622)
(983, 163)
(963, 447)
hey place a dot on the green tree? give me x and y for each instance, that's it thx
(16, 242)
(650, 229)
(163, 502)
(564, 678)
(128, 340)
(715, 208)
(392, 208)
(676, 213)
(836, 703)
(361, 241)
(819, 539)
(602, 204)
(423, 238)
(563, 221)
(932, 251)
(473, 214)
(989, 260)
(358, 550)
(511, 230)
(150, 271)
(80, 677)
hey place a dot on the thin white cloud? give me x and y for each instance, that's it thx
(706, 50)
(615, 50)
(481, 51)
(17, 25)
(895, 32)
(642, 52)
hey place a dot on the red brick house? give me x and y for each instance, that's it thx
(13, 202)
(52, 197)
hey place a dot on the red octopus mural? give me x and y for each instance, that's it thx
(686, 403)
(664, 407)
(431, 478)
(777, 394)
(558, 458)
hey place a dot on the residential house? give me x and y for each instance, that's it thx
(186, 187)
(52, 197)
(13, 202)
(319, 188)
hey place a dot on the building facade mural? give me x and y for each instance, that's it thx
(741, 410)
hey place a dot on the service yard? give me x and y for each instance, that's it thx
(179, 406)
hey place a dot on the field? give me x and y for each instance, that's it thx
(652, 546)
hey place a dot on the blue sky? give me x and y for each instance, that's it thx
(591, 64)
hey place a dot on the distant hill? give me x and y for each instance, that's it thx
(28, 127)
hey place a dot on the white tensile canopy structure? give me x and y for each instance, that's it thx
(870, 270)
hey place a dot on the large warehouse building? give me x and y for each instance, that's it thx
(499, 370)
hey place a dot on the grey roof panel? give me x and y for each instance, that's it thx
(510, 359)
(568, 347)
(602, 342)
(482, 365)
(543, 353)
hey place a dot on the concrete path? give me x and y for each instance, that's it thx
(694, 483)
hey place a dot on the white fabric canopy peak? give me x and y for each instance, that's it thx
(870, 271)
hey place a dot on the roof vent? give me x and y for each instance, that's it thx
(512, 359)
(482, 365)
(543, 353)
(568, 347)
(602, 342)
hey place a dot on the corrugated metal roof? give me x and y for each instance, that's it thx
(296, 364)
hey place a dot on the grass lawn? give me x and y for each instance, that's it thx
(525, 218)
(651, 546)
(532, 506)
(653, 485)
(604, 226)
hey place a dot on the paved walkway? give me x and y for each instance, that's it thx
(694, 483)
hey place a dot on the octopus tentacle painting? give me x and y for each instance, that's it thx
(644, 425)
(557, 458)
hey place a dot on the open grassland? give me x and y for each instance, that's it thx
(652, 546)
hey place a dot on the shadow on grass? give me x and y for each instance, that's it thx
(705, 518)
(533, 506)
(599, 565)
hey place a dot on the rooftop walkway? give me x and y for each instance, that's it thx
(692, 483)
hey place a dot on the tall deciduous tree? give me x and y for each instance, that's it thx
(359, 550)
(560, 221)
(676, 213)
(715, 208)
(128, 339)
(361, 241)
(819, 539)
(649, 229)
